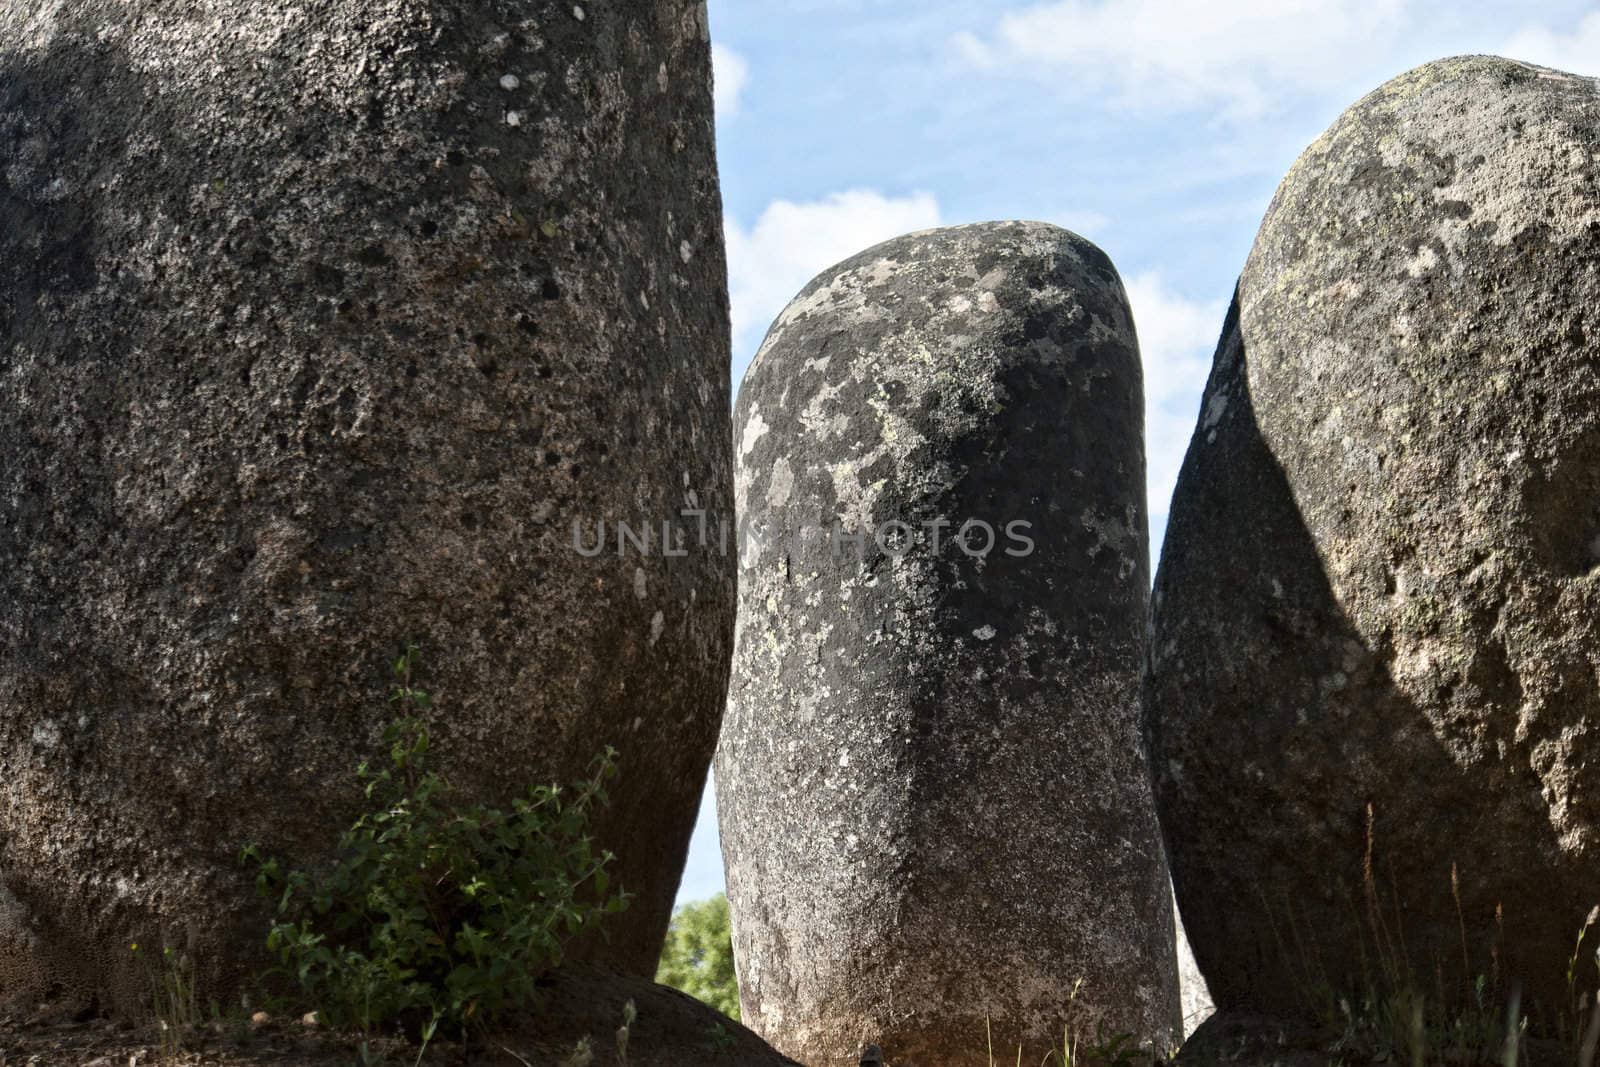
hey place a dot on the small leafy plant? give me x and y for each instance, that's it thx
(437, 912)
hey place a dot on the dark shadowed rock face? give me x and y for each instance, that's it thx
(1266, 1041)
(1379, 583)
(671, 1028)
(935, 807)
(320, 323)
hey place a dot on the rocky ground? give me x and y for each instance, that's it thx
(670, 1029)
(1246, 1040)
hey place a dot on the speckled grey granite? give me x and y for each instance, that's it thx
(935, 805)
(1379, 582)
(1193, 995)
(320, 323)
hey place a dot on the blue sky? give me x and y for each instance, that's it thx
(1156, 128)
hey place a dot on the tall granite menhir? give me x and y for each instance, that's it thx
(320, 325)
(1375, 669)
(935, 806)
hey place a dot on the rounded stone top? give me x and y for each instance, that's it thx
(1421, 248)
(910, 374)
(960, 334)
(948, 262)
(1410, 183)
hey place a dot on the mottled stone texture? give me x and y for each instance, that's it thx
(1193, 995)
(935, 805)
(320, 322)
(1379, 584)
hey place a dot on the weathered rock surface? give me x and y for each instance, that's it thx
(934, 799)
(1379, 584)
(320, 324)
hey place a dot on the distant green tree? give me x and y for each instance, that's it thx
(698, 955)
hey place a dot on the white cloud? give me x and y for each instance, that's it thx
(1173, 55)
(730, 73)
(791, 243)
(1176, 339)
(1577, 52)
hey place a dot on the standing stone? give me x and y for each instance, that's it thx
(320, 326)
(1375, 664)
(935, 805)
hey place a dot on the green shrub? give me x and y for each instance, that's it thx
(434, 911)
(698, 955)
